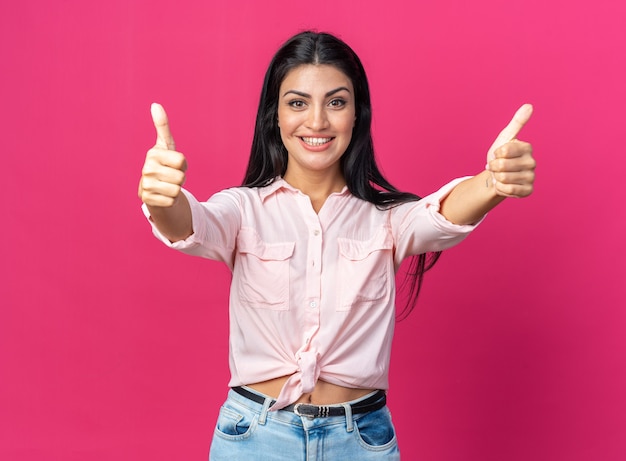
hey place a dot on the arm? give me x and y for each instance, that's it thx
(510, 172)
(162, 177)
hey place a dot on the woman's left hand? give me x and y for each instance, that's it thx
(510, 160)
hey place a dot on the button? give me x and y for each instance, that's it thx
(316, 232)
(313, 304)
(308, 340)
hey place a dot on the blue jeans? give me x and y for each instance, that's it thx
(247, 431)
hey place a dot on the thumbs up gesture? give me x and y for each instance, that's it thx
(510, 160)
(163, 172)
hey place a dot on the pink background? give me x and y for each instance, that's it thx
(114, 348)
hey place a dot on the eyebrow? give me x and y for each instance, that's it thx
(306, 95)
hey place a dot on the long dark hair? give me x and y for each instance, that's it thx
(268, 157)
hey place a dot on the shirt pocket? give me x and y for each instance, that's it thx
(263, 272)
(364, 270)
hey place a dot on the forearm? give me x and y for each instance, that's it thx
(469, 201)
(175, 221)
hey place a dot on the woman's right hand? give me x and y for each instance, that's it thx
(163, 172)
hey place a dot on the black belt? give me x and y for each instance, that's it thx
(375, 402)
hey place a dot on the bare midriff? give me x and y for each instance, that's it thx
(323, 394)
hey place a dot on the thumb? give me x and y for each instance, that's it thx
(511, 131)
(164, 138)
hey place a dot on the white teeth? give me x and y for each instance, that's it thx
(316, 141)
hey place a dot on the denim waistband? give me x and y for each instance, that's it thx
(370, 402)
(262, 404)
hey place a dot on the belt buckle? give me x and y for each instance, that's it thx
(310, 411)
(308, 414)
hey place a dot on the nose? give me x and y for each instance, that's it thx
(317, 119)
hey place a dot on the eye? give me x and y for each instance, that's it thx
(296, 104)
(337, 103)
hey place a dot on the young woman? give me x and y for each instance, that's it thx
(313, 238)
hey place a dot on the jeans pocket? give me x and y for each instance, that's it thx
(375, 430)
(235, 424)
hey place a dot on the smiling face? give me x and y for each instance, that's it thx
(316, 114)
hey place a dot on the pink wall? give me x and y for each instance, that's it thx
(114, 348)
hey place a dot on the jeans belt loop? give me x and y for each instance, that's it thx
(349, 420)
(266, 406)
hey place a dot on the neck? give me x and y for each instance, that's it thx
(316, 186)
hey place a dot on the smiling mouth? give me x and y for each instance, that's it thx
(316, 142)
